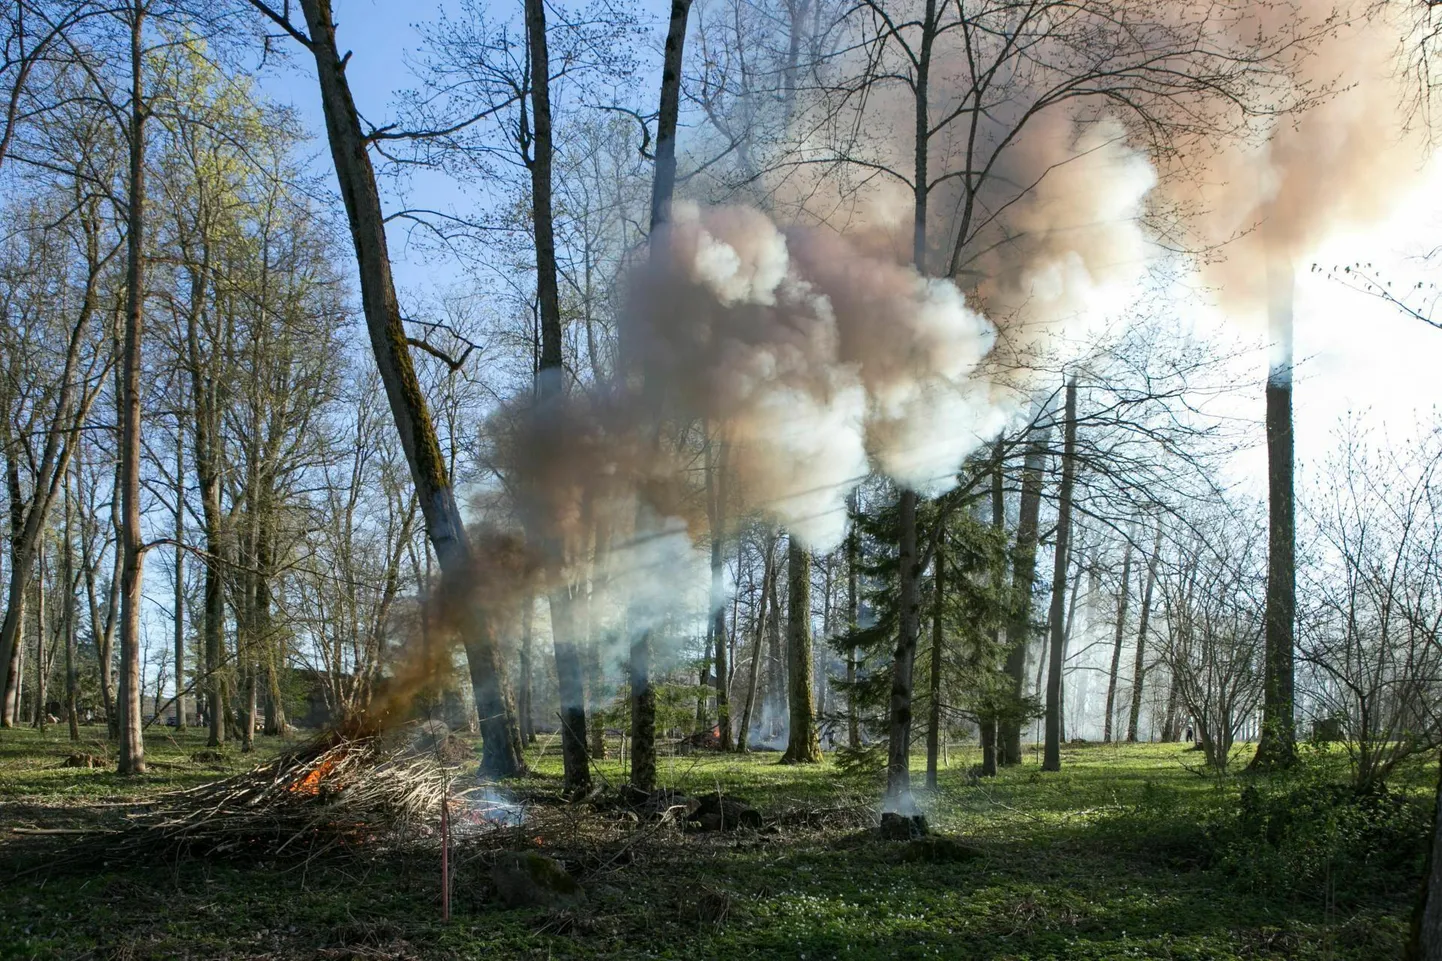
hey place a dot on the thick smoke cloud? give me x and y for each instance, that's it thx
(811, 357)
(1072, 250)
(1343, 163)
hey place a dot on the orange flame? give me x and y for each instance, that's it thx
(310, 784)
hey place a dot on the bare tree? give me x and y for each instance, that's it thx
(1213, 644)
(1371, 629)
(349, 151)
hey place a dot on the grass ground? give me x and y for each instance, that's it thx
(1108, 859)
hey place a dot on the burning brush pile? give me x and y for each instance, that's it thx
(336, 790)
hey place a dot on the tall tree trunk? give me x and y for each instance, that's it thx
(525, 709)
(501, 752)
(20, 568)
(1071, 606)
(1169, 721)
(774, 697)
(1139, 667)
(574, 750)
(716, 500)
(132, 745)
(773, 681)
(271, 643)
(595, 698)
(179, 619)
(1122, 597)
(1277, 746)
(1051, 760)
(206, 452)
(903, 662)
(933, 714)
(898, 761)
(214, 609)
(767, 587)
(250, 696)
(102, 622)
(1023, 582)
(41, 668)
(72, 655)
(643, 713)
(803, 746)
(663, 187)
(600, 636)
(853, 557)
(551, 389)
(723, 667)
(663, 184)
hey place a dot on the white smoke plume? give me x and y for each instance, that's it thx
(813, 357)
(814, 360)
(1341, 164)
(1076, 246)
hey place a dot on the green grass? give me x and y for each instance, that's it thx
(1108, 859)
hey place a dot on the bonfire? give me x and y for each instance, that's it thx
(337, 789)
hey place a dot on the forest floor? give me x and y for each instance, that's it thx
(1127, 853)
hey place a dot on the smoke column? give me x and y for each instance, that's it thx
(1342, 163)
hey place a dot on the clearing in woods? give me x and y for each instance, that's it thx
(1125, 854)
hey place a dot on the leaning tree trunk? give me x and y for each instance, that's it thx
(551, 384)
(1122, 598)
(1051, 759)
(803, 746)
(501, 754)
(1277, 746)
(27, 521)
(13, 632)
(1139, 667)
(132, 745)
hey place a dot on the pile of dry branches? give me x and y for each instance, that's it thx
(334, 791)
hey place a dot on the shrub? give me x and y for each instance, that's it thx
(1309, 835)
